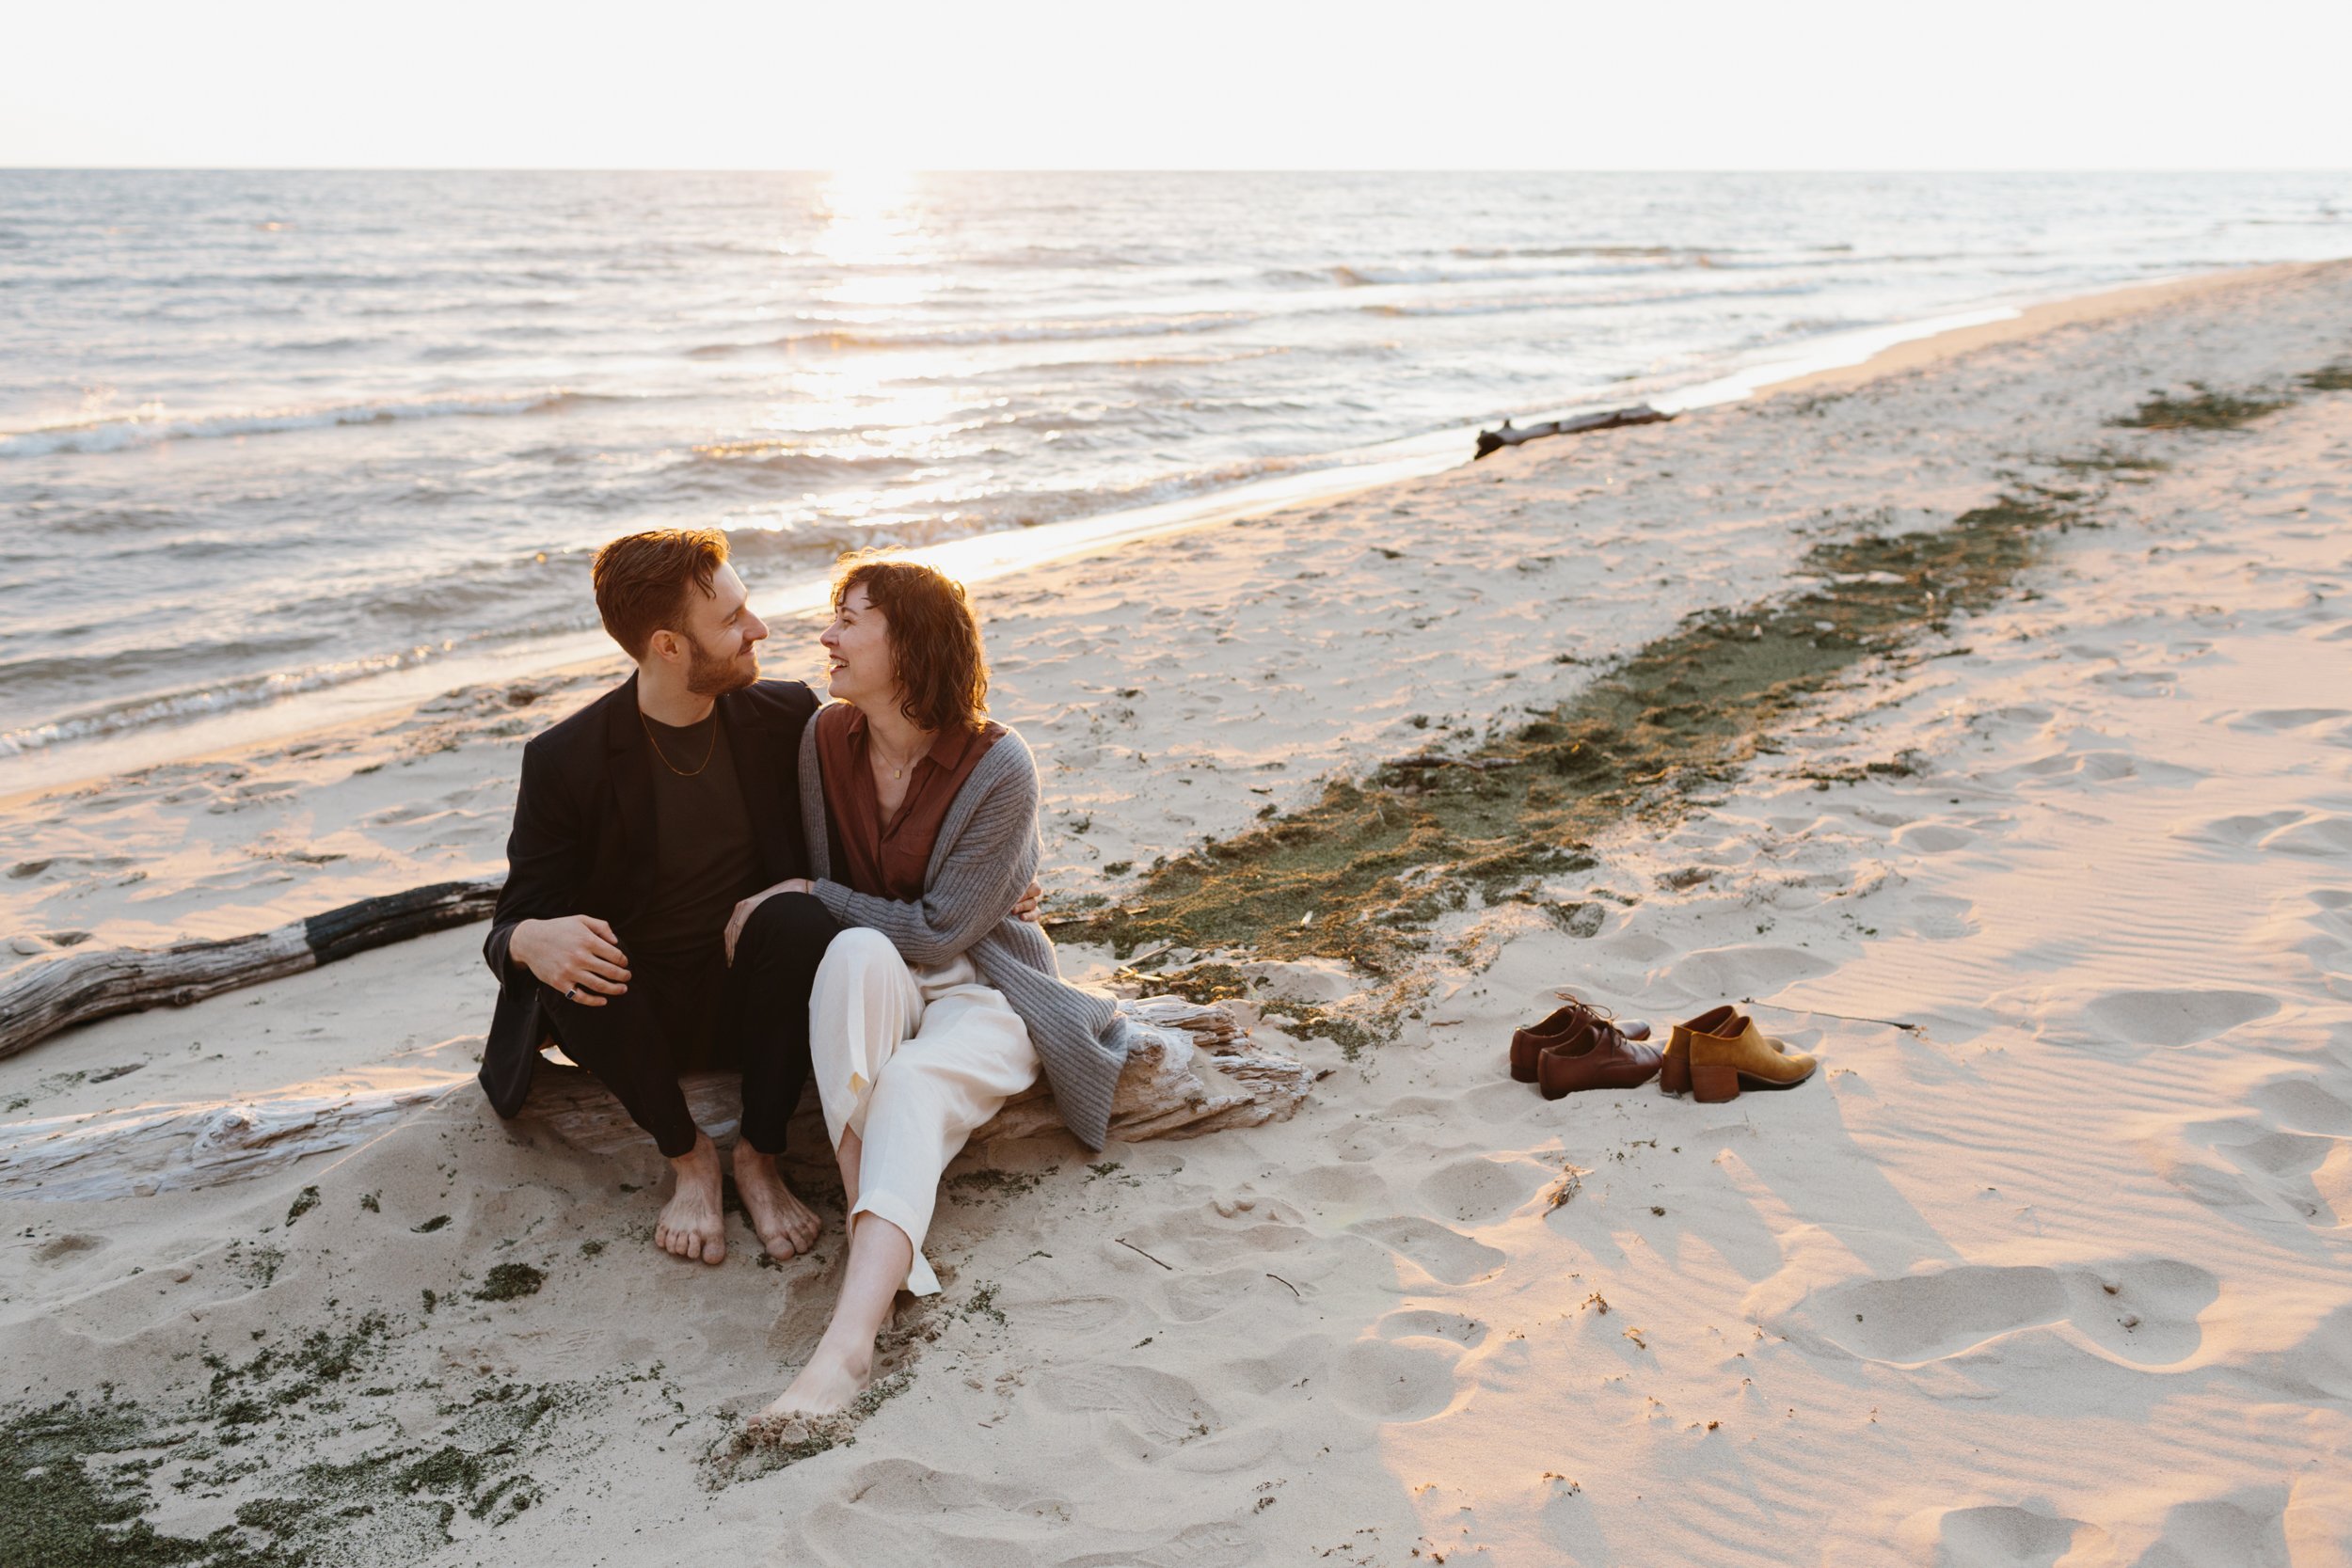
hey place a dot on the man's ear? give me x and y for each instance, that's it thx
(661, 645)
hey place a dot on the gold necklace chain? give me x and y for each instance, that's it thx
(665, 761)
(900, 771)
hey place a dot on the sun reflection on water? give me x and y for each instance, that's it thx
(872, 218)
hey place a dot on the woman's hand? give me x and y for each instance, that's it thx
(742, 914)
(577, 955)
(1025, 906)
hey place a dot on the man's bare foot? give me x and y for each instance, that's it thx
(829, 1385)
(785, 1225)
(691, 1225)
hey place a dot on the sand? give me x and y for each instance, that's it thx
(2052, 1272)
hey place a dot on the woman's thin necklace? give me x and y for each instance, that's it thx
(665, 761)
(897, 770)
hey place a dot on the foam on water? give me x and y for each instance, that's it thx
(100, 435)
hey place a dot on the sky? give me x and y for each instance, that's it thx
(1177, 83)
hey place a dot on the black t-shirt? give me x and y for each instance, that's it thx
(706, 860)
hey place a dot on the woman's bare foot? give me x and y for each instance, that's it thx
(785, 1225)
(829, 1385)
(693, 1225)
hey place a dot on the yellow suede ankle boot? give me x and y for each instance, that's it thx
(1735, 1056)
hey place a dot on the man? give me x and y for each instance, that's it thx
(637, 927)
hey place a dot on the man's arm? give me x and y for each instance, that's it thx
(530, 931)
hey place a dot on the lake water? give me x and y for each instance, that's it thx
(265, 433)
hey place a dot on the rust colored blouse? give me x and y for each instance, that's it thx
(889, 859)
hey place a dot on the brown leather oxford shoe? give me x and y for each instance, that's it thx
(1597, 1057)
(1530, 1043)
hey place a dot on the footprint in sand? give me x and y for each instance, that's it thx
(2300, 1104)
(2241, 832)
(1926, 1317)
(2106, 766)
(1342, 1184)
(1240, 1287)
(1940, 917)
(903, 1489)
(1055, 1313)
(1446, 1256)
(2248, 1533)
(2143, 1310)
(57, 1248)
(2173, 1019)
(2274, 720)
(1478, 1191)
(2270, 1170)
(1746, 970)
(1398, 1380)
(1155, 1406)
(1933, 838)
(1999, 1536)
(2321, 835)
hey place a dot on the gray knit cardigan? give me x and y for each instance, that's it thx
(987, 852)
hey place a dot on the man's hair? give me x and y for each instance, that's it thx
(642, 580)
(936, 649)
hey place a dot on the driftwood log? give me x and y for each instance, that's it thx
(1196, 1071)
(58, 991)
(1490, 442)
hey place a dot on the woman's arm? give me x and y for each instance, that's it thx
(982, 876)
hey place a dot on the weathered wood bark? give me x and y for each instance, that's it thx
(1491, 441)
(1196, 1071)
(73, 987)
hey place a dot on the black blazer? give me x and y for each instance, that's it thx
(583, 839)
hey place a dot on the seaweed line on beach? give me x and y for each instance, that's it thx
(1365, 871)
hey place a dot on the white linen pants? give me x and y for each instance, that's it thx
(912, 1061)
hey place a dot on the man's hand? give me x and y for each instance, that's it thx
(1026, 908)
(742, 914)
(577, 955)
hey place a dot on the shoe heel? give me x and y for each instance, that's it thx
(1674, 1073)
(1712, 1086)
(1522, 1065)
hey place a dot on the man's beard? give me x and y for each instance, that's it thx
(709, 675)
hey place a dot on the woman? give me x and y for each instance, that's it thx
(934, 1006)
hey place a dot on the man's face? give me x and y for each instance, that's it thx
(721, 637)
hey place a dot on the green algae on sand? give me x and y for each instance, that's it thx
(2201, 408)
(1361, 874)
(511, 1282)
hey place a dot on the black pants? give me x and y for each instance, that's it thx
(673, 1017)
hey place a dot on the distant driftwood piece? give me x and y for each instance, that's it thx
(1617, 418)
(73, 987)
(1195, 1070)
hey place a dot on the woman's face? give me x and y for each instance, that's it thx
(858, 667)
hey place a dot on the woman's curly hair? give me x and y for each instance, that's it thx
(936, 649)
